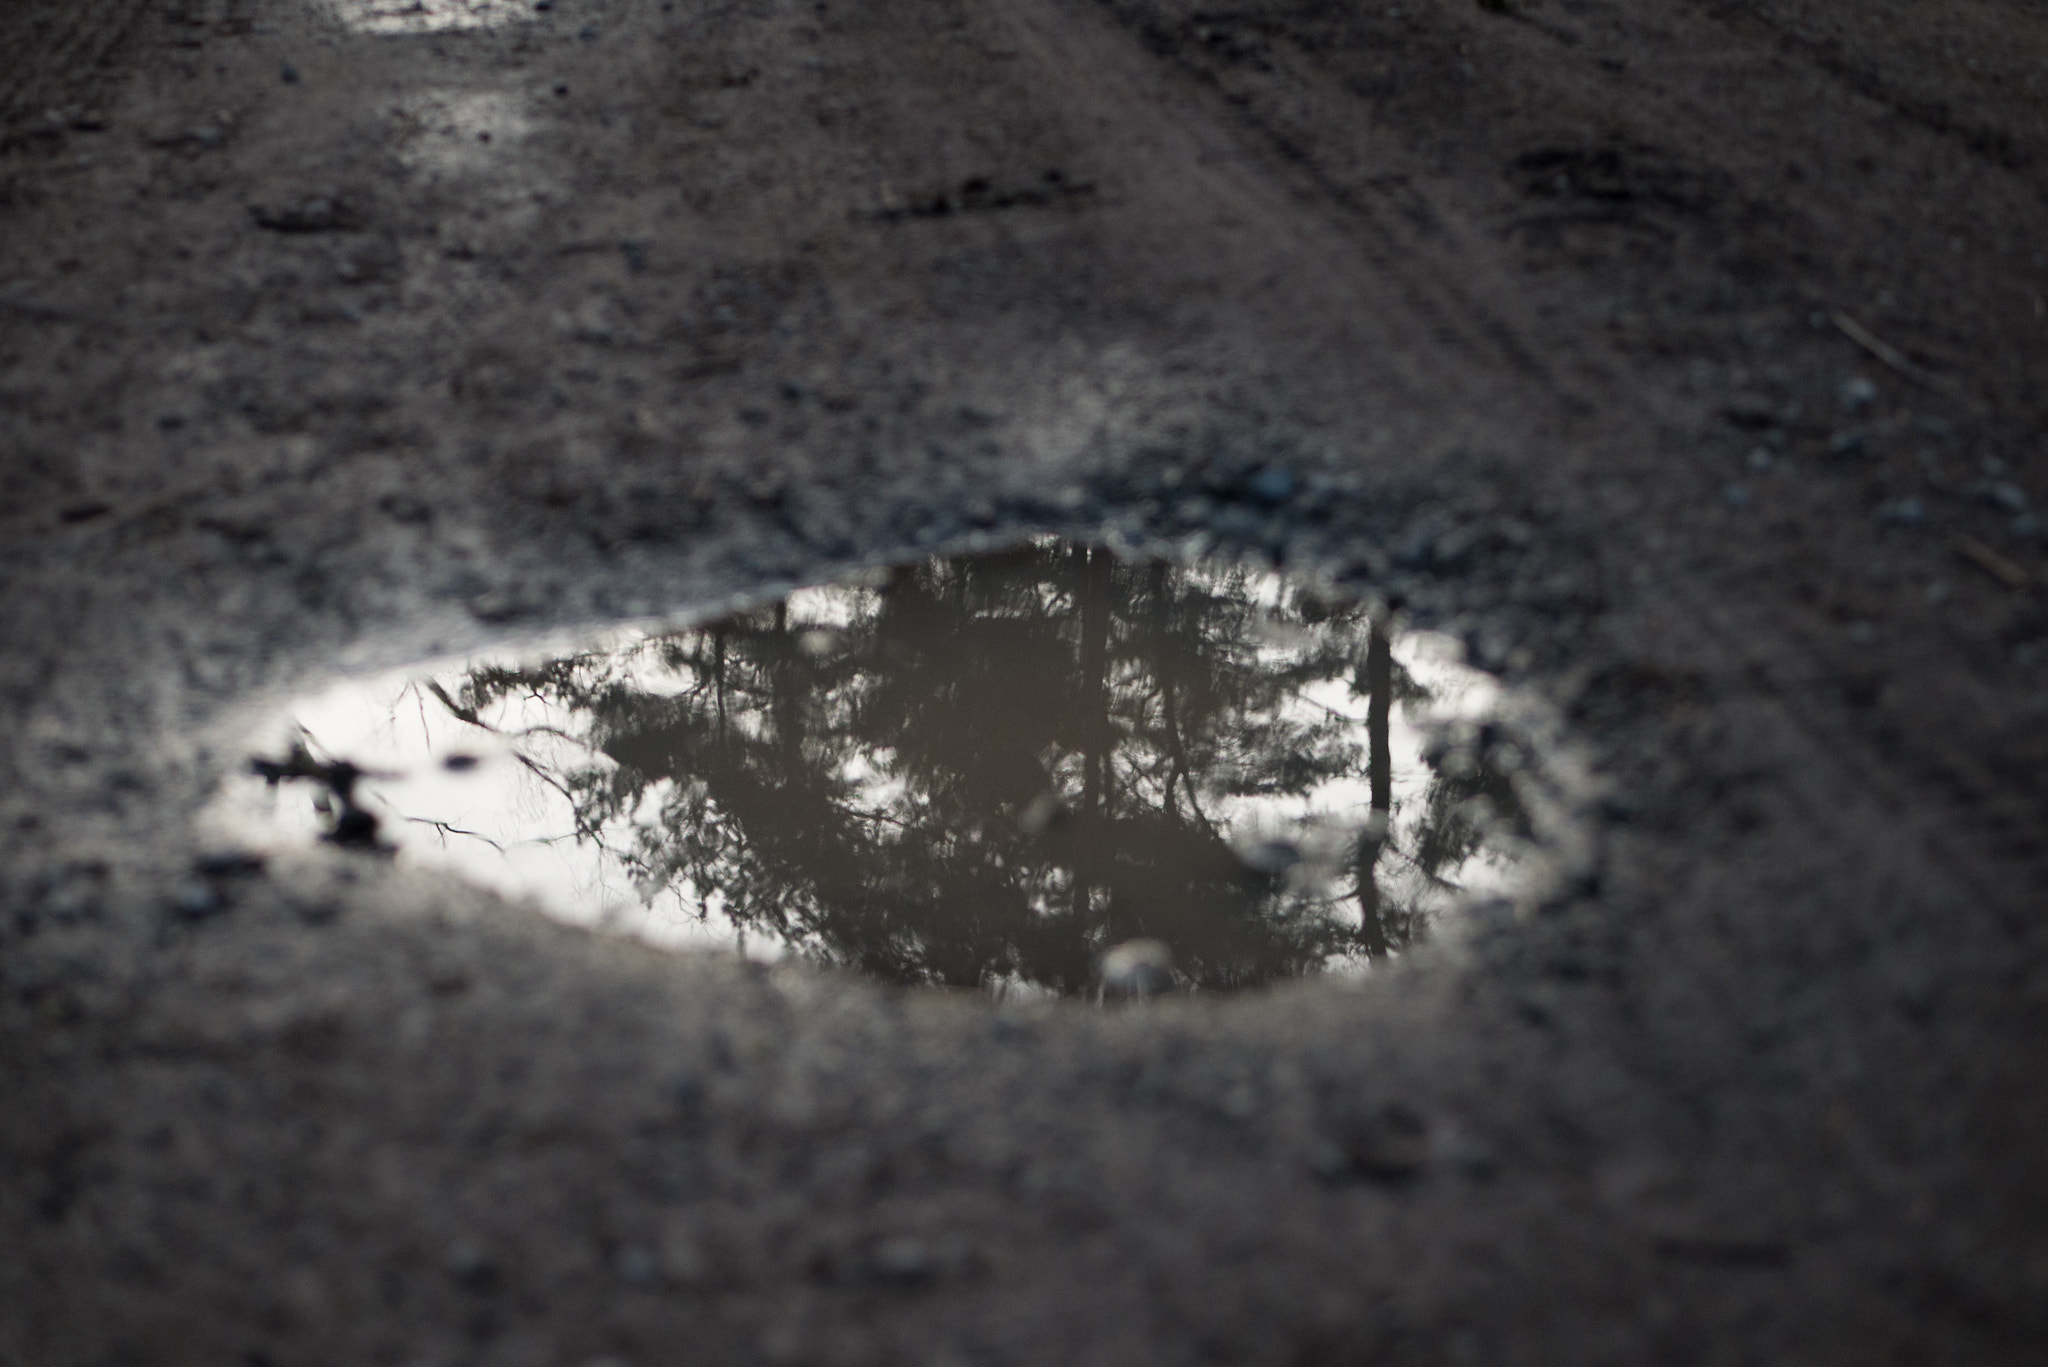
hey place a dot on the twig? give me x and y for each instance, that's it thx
(448, 829)
(1992, 563)
(1892, 356)
(468, 714)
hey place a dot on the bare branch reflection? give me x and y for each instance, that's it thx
(987, 770)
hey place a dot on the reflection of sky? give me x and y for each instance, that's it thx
(506, 826)
(427, 16)
(504, 823)
(499, 823)
(1324, 821)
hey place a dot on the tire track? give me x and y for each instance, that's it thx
(1424, 272)
(1886, 62)
(53, 50)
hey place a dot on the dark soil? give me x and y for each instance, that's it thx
(1683, 357)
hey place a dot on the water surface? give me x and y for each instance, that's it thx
(984, 771)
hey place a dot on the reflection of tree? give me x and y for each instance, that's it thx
(1372, 841)
(993, 768)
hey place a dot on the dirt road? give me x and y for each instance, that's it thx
(1685, 358)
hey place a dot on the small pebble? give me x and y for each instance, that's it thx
(1620, 807)
(1271, 486)
(469, 1265)
(1392, 1147)
(195, 901)
(1902, 512)
(2006, 495)
(901, 1261)
(1736, 495)
(228, 863)
(1858, 393)
(1469, 1157)
(636, 1265)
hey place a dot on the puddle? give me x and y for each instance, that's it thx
(1018, 771)
(428, 16)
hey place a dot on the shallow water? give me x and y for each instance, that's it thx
(984, 771)
(428, 16)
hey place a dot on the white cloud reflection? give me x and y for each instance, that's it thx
(502, 820)
(854, 767)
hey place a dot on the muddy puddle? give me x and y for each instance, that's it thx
(1045, 770)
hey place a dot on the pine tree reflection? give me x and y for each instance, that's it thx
(989, 769)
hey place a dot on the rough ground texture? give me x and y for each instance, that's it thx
(1686, 357)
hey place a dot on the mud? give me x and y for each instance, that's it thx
(1681, 359)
